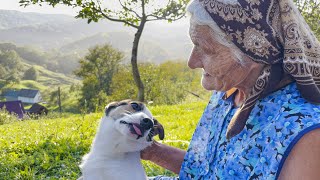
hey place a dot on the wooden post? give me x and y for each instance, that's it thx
(59, 100)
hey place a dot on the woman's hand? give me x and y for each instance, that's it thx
(149, 152)
(165, 156)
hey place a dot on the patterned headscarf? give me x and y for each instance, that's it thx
(274, 33)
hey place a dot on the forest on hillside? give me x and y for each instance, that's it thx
(35, 51)
(169, 82)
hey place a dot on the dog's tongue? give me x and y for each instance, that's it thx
(137, 129)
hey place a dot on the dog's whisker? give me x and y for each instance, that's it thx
(128, 112)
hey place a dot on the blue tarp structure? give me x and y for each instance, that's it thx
(14, 107)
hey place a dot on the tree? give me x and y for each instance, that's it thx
(97, 69)
(13, 78)
(10, 63)
(134, 13)
(10, 60)
(164, 85)
(3, 72)
(310, 10)
(31, 74)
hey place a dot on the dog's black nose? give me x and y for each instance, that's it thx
(146, 123)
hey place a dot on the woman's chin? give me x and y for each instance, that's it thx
(211, 85)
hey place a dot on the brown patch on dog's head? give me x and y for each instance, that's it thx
(127, 106)
(117, 110)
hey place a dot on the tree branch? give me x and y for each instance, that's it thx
(156, 18)
(130, 10)
(143, 8)
(113, 19)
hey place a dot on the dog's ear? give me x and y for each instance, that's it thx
(109, 107)
(158, 129)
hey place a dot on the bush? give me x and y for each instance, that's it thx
(168, 83)
(6, 117)
(31, 74)
(53, 148)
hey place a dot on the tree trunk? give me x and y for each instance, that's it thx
(135, 70)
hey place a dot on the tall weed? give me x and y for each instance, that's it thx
(53, 148)
(6, 117)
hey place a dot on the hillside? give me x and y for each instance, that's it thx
(12, 19)
(46, 80)
(51, 79)
(53, 148)
(149, 51)
(159, 42)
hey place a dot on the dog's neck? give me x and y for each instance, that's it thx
(107, 144)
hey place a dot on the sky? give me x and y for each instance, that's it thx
(14, 5)
(59, 9)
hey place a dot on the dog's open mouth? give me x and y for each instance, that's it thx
(137, 129)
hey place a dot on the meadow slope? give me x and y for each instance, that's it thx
(52, 148)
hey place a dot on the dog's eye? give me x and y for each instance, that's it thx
(136, 106)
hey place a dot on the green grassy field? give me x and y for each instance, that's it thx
(52, 148)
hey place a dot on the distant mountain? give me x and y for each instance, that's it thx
(12, 19)
(159, 41)
(148, 50)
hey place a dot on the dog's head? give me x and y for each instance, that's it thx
(134, 120)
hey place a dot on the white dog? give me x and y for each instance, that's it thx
(126, 128)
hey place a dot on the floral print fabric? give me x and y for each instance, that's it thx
(272, 32)
(275, 124)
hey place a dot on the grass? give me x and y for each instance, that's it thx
(49, 78)
(52, 148)
(46, 80)
(28, 84)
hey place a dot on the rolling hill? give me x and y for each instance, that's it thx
(159, 42)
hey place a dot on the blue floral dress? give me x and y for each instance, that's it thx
(275, 125)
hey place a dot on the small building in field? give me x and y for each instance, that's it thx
(37, 109)
(30, 96)
(15, 107)
(11, 95)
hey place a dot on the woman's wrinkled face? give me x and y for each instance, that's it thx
(221, 71)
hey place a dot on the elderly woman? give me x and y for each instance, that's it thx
(263, 119)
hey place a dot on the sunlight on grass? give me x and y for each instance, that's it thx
(52, 148)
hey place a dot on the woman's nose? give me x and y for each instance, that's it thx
(194, 60)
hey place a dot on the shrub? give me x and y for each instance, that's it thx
(31, 74)
(6, 117)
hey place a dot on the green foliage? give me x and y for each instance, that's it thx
(310, 10)
(132, 13)
(167, 83)
(13, 78)
(69, 98)
(128, 14)
(52, 60)
(10, 60)
(3, 72)
(10, 63)
(31, 74)
(6, 117)
(53, 148)
(45, 149)
(97, 70)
